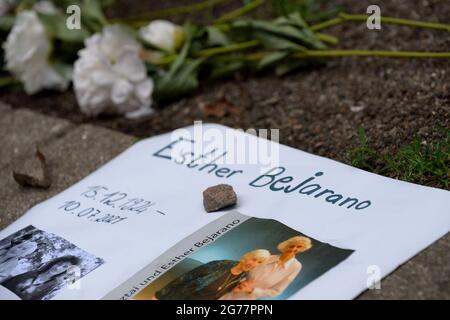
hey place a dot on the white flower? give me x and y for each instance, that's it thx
(110, 75)
(45, 7)
(163, 34)
(27, 52)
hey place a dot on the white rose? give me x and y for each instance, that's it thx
(110, 75)
(27, 52)
(45, 7)
(163, 34)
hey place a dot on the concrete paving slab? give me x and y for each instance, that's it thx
(4, 108)
(21, 130)
(426, 276)
(70, 158)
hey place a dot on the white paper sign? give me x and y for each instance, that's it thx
(323, 229)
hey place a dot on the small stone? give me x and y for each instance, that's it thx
(218, 197)
(33, 172)
(357, 108)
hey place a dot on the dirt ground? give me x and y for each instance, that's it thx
(318, 110)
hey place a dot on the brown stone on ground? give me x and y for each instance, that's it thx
(218, 197)
(33, 172)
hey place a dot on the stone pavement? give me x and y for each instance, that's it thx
(74, 151)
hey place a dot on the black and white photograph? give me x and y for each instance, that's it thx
(35, 265)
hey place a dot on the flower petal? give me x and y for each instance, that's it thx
(27, 49)
(161, 34)
(144, 89)
(129, 65)
(103, 77)
(142, 112)
(114, 40)
(121, 90)
(110, 75)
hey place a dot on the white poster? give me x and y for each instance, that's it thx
(304, 227)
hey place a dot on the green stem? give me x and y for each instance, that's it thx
(371, 53)
(7, 81)
(323, 15)
(230, 48)
(239, 12)
(167, 12)
(256, 56)
(249, 57)
(343, 17)
(404, 22)
(166, 60)
(326, 24)
(304, 54)
(213, 51)
(327, 38)
(225, 27)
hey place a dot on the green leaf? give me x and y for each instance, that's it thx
(93, 9)
(294, 19)
(182, 76)
(216, 37)
(225, 69)
(107, 3)
(275, 42)
(272, 58)
(66, 51)
(322, 15)
(128, 29)
(7, 81)
(172, 85)
(286, 7)
(289, 66)
(280, 33)
(176, 65)
(65, 3)
(63, 69)
(191, 33)
(56, 27)
(6, 22)
(294, 23)
(92, 14)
